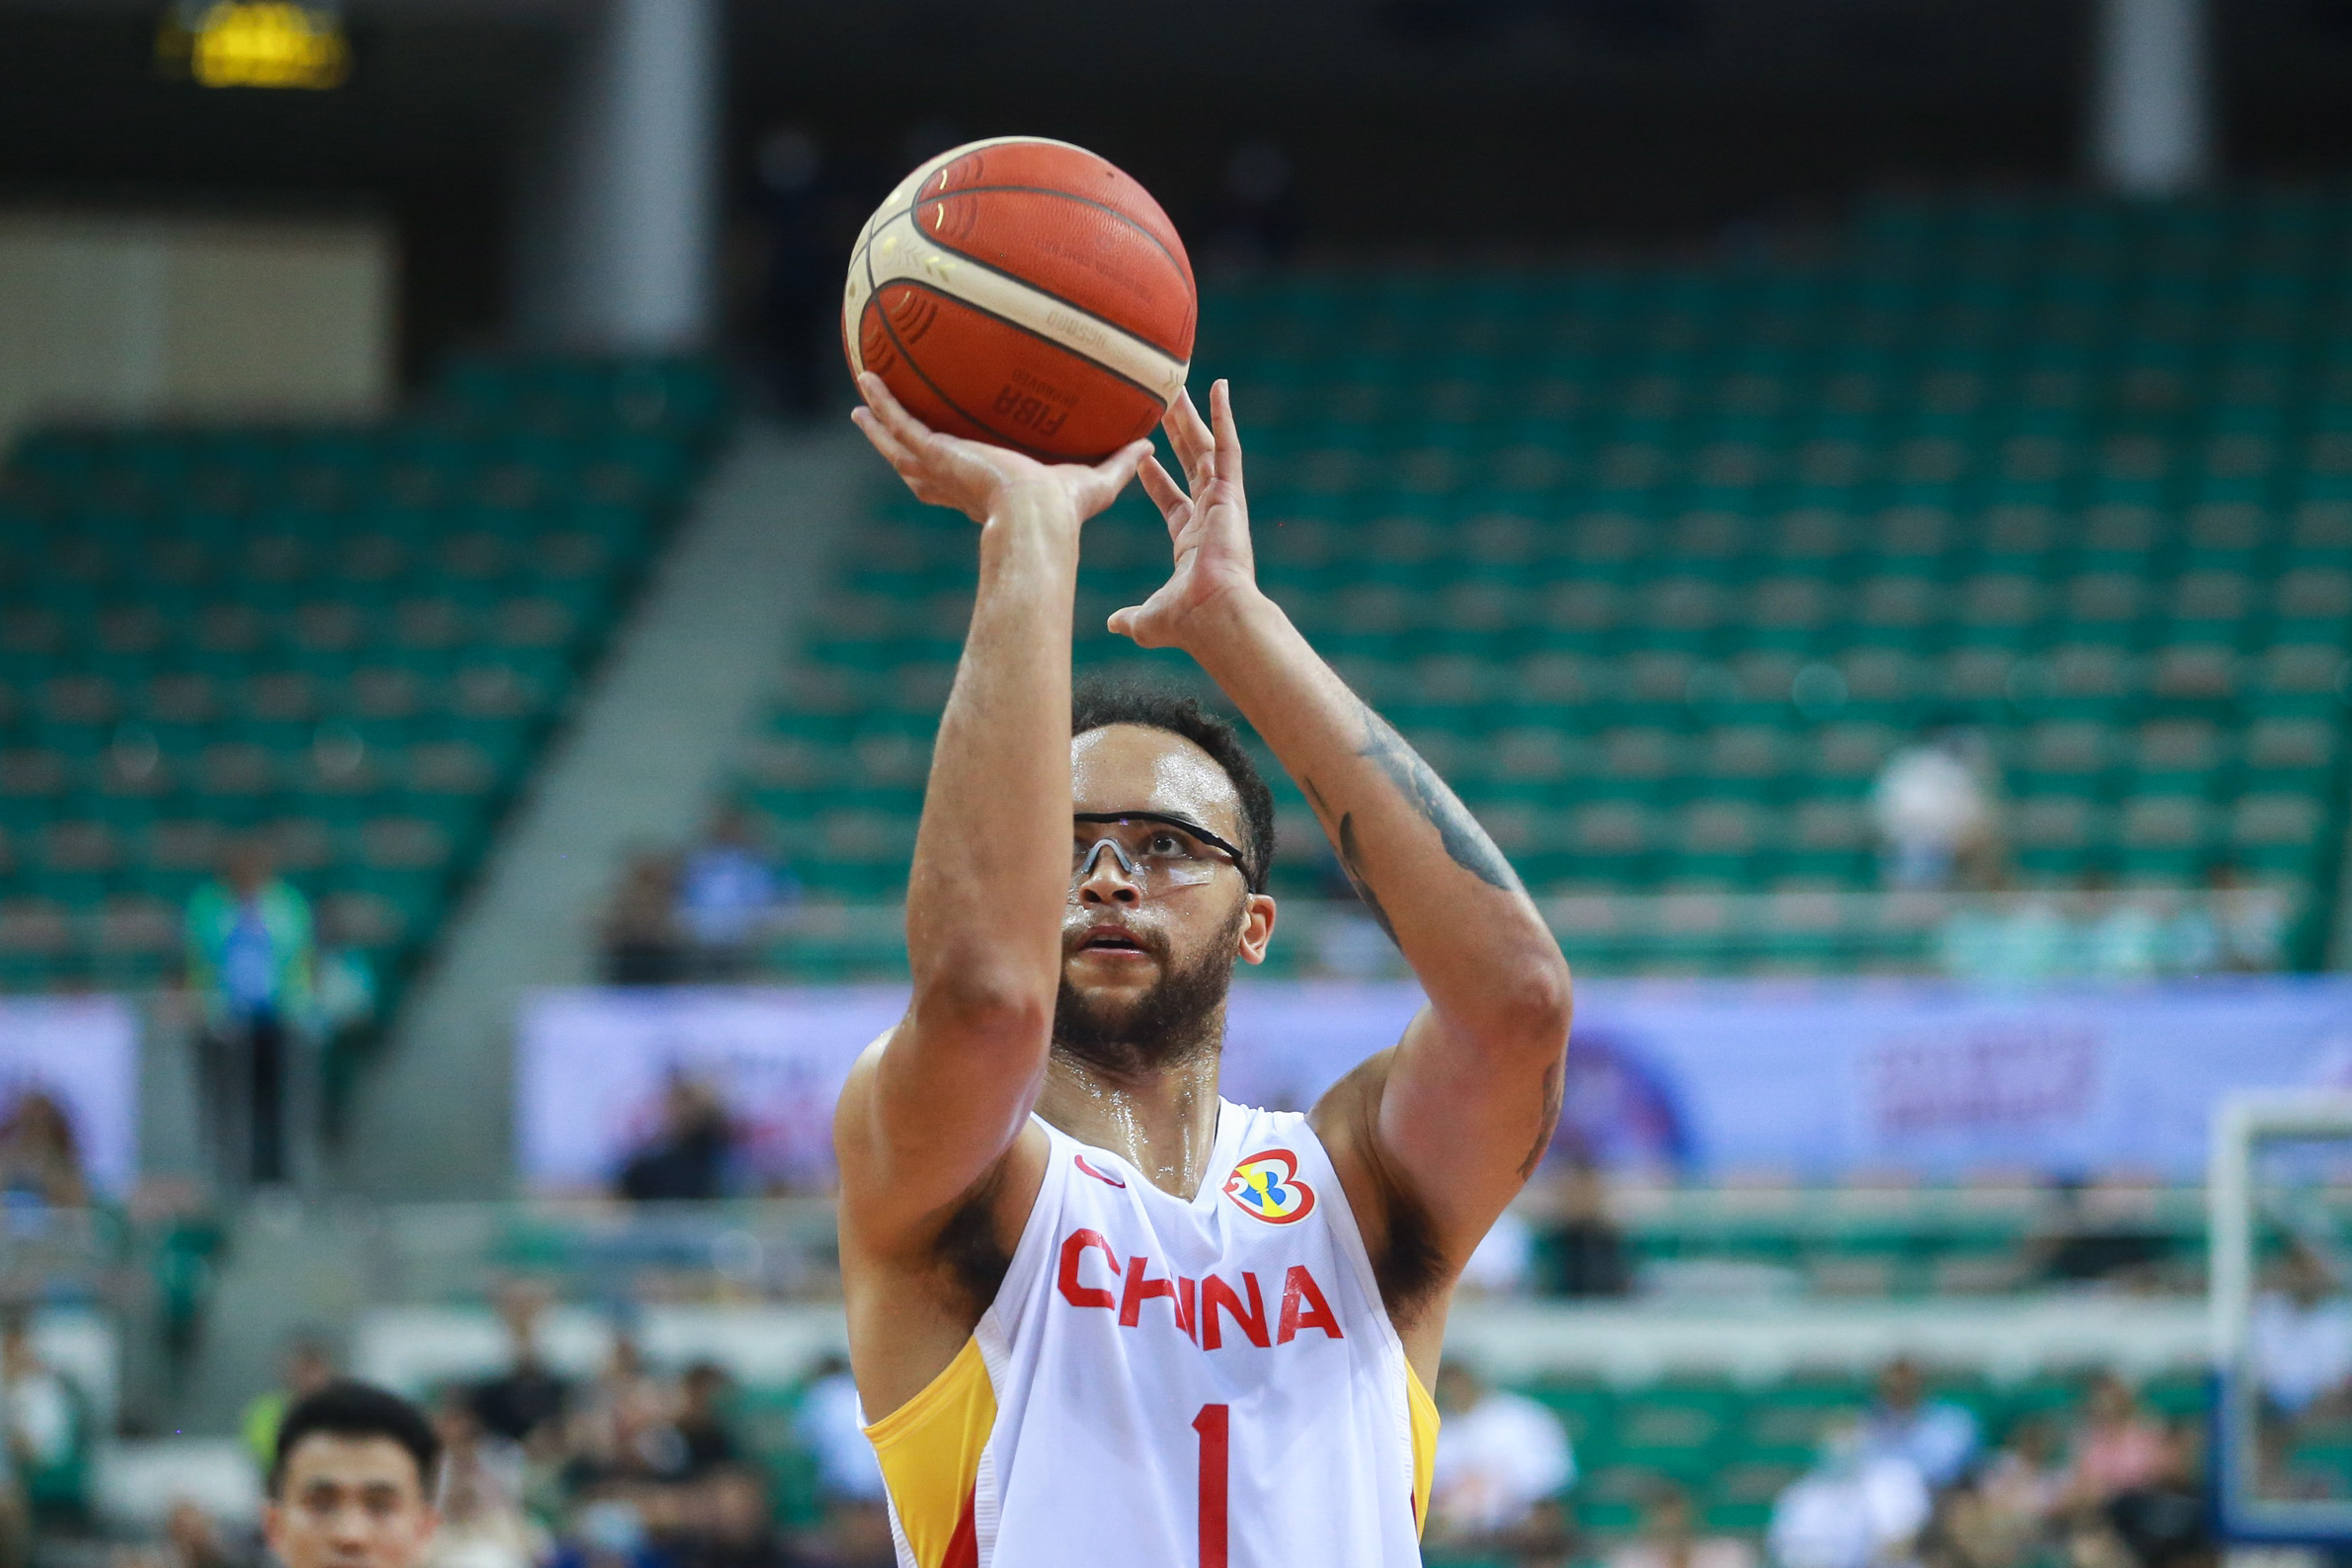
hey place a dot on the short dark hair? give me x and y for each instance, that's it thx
(1098, 703)
(347, 1409)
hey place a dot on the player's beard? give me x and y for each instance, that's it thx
(1180, 1018)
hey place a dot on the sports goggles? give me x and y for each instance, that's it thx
(1154, 850)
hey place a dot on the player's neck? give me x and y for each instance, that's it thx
(1161, 1119)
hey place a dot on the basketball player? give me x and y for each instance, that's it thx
(1098, 1314)
(352, 1481)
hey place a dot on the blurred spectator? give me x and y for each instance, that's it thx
(2103, 1232)
(483, 1524)
(691, 1157)
(305, 1367)
(2024, 1484)
(609, 1532)
(1502, 1462)
(527, 1399)
(40, 1158)
(1854, 1508)
(2163, 1522)
(1669, 1538)
(250, 952)
(41, 1425)
(801, 299)
(740, 1529)
(2238, 927)
(1933, 805)
(729, 888)
(2122, 939)
(193, 1540)
(709, 1438)
(346, 980)
(2013, 940)
(622, 1429)
(42, 1414)
(1938, 1436)
(1586, 1249)
(2300, 1336)
(2119, 1449)
(642, 942)
(829, 1425)
(2001, 1519)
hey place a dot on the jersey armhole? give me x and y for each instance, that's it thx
(1423, 1410)
(930, 1448)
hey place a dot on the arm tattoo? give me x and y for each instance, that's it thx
(1351, 857)
(1352, 862)
(1465, 840)
(1553, 1085)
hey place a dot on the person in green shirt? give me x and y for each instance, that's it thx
(251, 949)
(306, 1368)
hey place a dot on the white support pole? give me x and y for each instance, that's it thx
(622, 251)
(2151, 113)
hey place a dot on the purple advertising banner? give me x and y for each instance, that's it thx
(1814, 1078)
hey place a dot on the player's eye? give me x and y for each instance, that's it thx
(1166, 845)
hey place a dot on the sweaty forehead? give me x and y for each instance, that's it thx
(1133, 767)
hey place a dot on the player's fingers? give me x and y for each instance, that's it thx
(1122, 622)
(1121, 465)
(1110, 477)
(1229, 435)
(891, 412)
(894, 452)
(1165, 493)
(1188, 435)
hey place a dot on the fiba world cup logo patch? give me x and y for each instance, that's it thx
(1266, 1186)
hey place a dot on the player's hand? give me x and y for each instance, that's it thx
(976, 478)
(1209, 526)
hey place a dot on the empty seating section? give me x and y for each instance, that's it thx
(351, 639)
(1657, 563)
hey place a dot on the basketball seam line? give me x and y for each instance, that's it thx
(874, 301)
(1183, 266)
(1028, 331)
(1183, 367)
(961, 254)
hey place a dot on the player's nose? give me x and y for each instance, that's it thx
(1106, 881)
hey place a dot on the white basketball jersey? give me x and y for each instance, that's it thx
(1164, 1384)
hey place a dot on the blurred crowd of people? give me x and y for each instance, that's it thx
(1907, 1482)
(2099, 931)
(1939, 813)
(635, 1467)
(699, 915)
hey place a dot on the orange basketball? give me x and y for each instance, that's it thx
(1026, 292)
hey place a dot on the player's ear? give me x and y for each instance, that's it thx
(1257, 927)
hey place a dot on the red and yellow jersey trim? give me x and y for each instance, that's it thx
(1424, 1412)
(931, 1448)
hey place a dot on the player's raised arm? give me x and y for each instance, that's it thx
(1454, 1119)
(929, 1110)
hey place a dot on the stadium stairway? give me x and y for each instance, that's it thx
(652, 740)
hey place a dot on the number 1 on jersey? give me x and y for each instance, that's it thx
(1213, 1426)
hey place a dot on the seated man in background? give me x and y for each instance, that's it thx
(1669, 1538)
(1854, 1508)
(1937, 1435)
(729, 889)
(1502, 1462)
